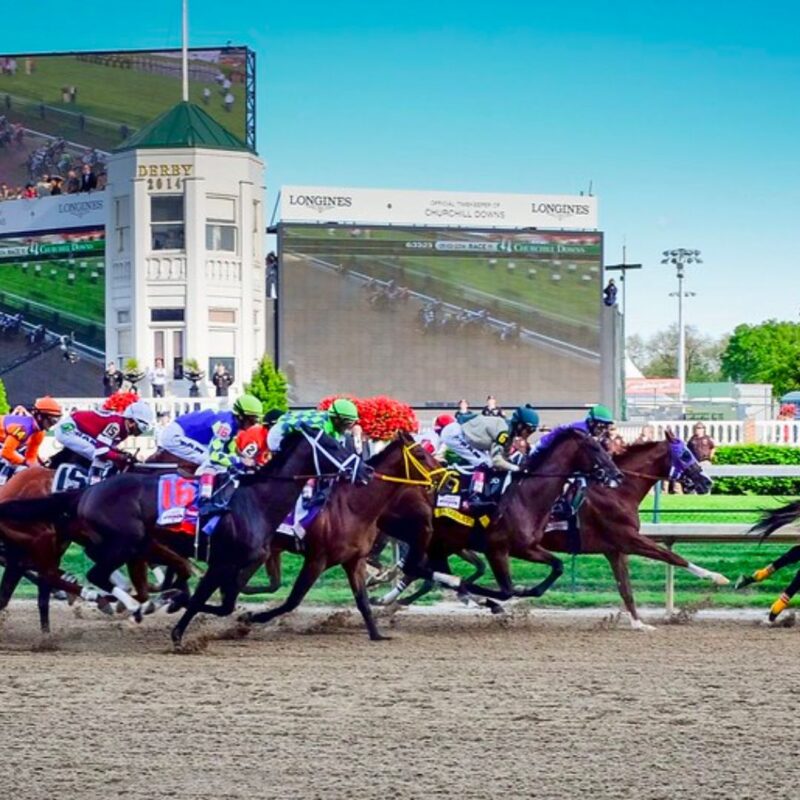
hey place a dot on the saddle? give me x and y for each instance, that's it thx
(456, 498)
(68, 477)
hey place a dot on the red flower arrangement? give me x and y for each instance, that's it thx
(380, 417)
(119, 401)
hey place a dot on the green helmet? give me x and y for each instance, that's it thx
(248, 406)
(600, 413)
(344, 409)
(526, 415)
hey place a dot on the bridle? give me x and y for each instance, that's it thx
(412, 465)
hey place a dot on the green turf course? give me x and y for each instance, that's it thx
(591, 583)
(83, 299)
(120, 96)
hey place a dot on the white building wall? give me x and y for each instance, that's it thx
(221, 292)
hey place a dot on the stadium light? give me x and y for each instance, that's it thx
(681, 257)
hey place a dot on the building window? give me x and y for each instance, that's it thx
(167, 222)
(226, 315)
(123, 317)
(228, 362)
(220, 237)
(167, 314)
(121, 222)
(124, 344)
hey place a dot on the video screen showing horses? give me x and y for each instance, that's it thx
(430, 314)
(60, 111)
(56, 280)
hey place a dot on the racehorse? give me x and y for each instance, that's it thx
(767, 525)
(344, 531)
(240, 542)
(516, 528)
(608, 519)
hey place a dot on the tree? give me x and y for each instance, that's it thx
(269, 385)
(765, 353)
(657, 356)
(4, 407)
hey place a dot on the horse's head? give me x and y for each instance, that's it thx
(684, 467)
(315, 452)
(594, 461)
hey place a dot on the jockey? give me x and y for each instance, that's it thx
(251, 447)
(221, 456)
(335, 422)
(21, 435)
(431, 438)
(189, 436)
(597, 423)
(486, 441)
(95, 436)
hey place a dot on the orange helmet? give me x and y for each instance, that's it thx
(47, 406)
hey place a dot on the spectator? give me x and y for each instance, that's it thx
(229, 100)
(222, 379)
(701, 445)
(88, 179)
(112, 379)
(610, 293)
(5, 191)
(206, 96)
(647, 434)
(43, 186)
(158, 378)
(491, 409)
(55, 185)
(29, 192)
(463, 414)
(73, 182)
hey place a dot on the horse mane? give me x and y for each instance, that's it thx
(538, 457)
(397, 441)
(278, 460)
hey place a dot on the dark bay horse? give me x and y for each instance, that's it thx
(517, 527)
(609, 519)
(770, 522)
(344, 531)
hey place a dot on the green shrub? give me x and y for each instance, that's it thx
(269, 385)
(757, 454)
(4, 407)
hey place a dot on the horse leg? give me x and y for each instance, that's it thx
(637, 545)
(475, 561)
(619, 566)
(498, 563)
(43, 602)
(784, 600)
(538, 554)
(205, 588)
(272, 566)
(306, 578)
(12, 575)
(356, 570)
(230, 586)
(791, 556)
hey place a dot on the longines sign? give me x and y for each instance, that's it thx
(397, 207)
(59, 213)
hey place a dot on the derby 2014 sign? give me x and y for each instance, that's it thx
(459, 209)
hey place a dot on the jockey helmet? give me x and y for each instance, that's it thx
(442, 421)
(272, 416)
(248, 405)
(141, 414)
(344, 409)
(47, 407)
(526, 416)
(600, 413)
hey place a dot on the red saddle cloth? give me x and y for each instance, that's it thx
(177, 503)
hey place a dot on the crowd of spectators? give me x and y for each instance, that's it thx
(75, 182)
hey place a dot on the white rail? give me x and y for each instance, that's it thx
(785, 432)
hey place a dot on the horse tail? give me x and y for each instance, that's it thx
(772, 520)
(42, 509)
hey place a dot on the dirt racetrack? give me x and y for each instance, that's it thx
(541, 705)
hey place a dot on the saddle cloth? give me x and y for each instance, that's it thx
(177, 503)
(70, 476)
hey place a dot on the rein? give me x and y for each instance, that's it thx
(409, 461)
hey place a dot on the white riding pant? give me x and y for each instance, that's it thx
(453, 439)
(177, 443)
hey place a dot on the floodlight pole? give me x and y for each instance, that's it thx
(185, 49)
(680, 257)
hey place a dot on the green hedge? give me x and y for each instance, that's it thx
(757, 454)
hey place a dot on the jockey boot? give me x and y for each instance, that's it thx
(779, 605)
(96, 473)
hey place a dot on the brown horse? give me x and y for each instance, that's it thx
(609, 519)
(344, 531)
(517, 527)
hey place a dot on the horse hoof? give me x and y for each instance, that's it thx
(720, 580)
(379, 637)
(638, 625)
(742, 581)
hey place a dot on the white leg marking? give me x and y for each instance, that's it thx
(699, 572)
(638, 625)
(125, 599)
(448, 580)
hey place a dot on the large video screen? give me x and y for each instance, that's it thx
(56, 110)
(56, 280)
(432, 315)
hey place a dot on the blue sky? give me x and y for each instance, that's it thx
(684, 117)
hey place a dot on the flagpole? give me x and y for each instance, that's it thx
(185, 50)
